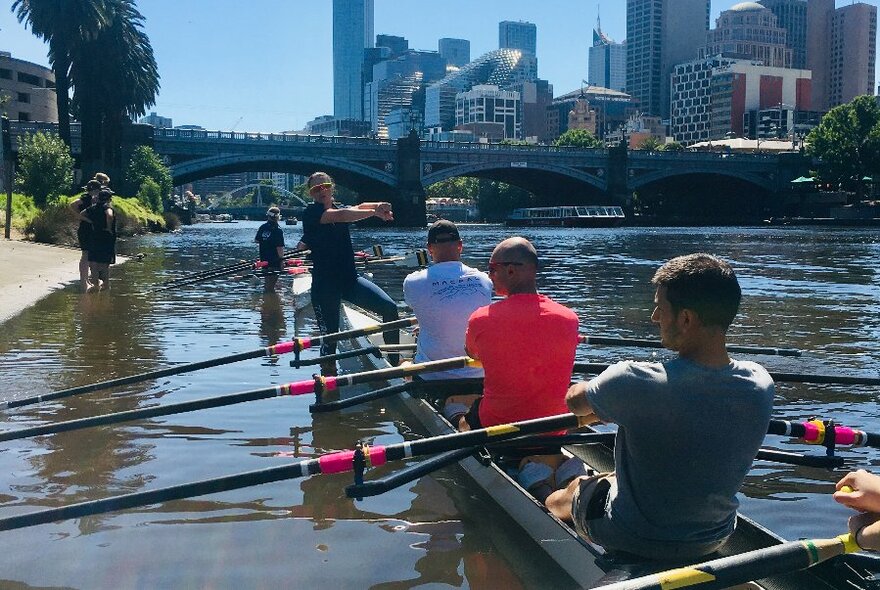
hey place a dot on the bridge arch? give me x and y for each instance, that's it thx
(190, 170)
(475, 169)
(766, 182)
(229, 194)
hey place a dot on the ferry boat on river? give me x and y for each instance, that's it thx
(567, 216)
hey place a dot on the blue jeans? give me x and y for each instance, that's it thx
(327, 298)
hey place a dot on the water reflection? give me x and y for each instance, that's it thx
(814, 290)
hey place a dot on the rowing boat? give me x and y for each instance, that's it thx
(585, 563)
(301, 289)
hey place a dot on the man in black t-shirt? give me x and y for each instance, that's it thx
(271, 241)
(334, 277)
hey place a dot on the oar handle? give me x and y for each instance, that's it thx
(311, 341)
(817, 432)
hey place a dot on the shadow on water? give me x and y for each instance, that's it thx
(814, 290)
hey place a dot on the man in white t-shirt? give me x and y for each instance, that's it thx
(443, 297)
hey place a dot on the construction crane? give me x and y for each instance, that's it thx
(236, 123)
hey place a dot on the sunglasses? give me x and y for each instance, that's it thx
(318, 187)
(493, 266)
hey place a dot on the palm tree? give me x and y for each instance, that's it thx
(115, 79)
(64, 25)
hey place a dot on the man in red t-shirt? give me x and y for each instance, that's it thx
(526, 343)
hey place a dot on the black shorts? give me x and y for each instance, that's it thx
(473, 415)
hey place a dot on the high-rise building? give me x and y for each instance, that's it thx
(661, 34)
(749, 31)
(502, 68)
(518, 35)
(791, 15)
(352, 33)
(456, 52)
(488, 112)
(612, 107)
(534, 98)
(819, 13)
(607, 63)
(710, 96)
(400, 82)
(853, 53)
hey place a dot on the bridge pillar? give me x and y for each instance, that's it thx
(409, 205)
(617, 177)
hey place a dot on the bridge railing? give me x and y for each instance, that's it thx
(700, 156)
(248, 136)
(511, 148)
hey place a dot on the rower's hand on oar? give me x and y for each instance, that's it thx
(865, 529)
(860, 490)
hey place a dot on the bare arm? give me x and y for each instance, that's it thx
(577, 402)
(358, 212)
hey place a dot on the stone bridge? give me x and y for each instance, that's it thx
(400, 170)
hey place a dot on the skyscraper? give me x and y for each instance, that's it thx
(607, 63)
(749, 31)
(352, 33)
(819, 13)
(661, 34)
(853, 53)
(456, 52)
(518, 35)
(791, 15)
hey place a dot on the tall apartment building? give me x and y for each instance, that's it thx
(607, 62)
(518, 35)
(29, 88)
(841, 51)
(456, 52)
(352, 33)
(749, 31)
(661, 34)
(791, 15)
(853, 53)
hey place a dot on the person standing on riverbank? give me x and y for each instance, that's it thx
(84, 231)
(688, 428)
(334, 277)
(271, 240)
(102, 251)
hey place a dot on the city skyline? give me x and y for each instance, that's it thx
(274, 72)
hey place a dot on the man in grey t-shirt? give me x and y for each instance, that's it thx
(688, 429)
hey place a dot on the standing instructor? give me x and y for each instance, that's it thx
(334, 277)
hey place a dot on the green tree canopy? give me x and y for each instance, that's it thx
(650, 144)
(672, 146)
(150, 194)
(145, 163)
(460, 187)
(847, 141)
(578, 138)
(45, 167)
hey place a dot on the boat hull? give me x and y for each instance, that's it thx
(584, 562)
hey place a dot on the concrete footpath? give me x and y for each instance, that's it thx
(29, 271)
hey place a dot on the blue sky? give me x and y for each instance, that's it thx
(266, 65)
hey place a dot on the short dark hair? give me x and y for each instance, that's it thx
(703, 283)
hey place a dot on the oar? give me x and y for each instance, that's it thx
(241, 265)
(337, 462)
(381, 485)
(295, 345)
(745, 567)
(318, 386)
(818, 432)
(643, 343)
(779, 377)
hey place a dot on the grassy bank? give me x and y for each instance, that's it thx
(56, 224)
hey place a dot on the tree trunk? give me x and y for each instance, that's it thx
(62, 91)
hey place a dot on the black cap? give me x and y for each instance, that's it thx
(443, 230)
(93, 185)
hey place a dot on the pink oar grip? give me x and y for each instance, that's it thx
(844, 435)
(811, 432)
(260, 264)
(294, 262)
(305, 343)
(283, 347)
(301, 387)
(342, 461)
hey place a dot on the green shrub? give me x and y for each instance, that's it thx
(145, 163)
(45, 167)
(150, 194)
(57, 224)
(23, 210)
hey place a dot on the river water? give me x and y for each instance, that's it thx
(817, 290)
